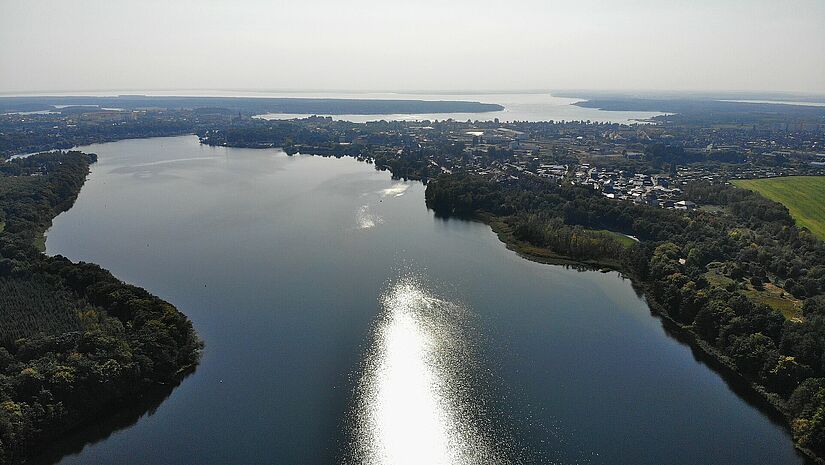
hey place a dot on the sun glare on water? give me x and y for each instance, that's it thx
(414, 406)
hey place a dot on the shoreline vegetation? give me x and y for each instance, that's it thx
(749, 344)
(707, 354)
(76, 343)
(757, 395)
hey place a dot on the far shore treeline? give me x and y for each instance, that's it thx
(245, 105)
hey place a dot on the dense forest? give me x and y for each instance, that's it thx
(74, 340)
(725, 277)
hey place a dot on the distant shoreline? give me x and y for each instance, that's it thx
(244, 105)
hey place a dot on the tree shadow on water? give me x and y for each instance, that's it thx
(113, 419)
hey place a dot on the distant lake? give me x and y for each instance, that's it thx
(344, 323)
(517, 107)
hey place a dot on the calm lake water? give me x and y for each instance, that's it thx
(344, 323)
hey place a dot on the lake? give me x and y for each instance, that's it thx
(345, 323)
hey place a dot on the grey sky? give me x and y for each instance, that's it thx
(412, 45)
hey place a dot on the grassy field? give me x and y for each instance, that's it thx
(621, 238)
(771, 295)
(776, 298)
(803, 195)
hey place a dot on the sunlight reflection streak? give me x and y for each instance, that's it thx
(411, 408)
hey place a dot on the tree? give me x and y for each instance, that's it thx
(750, 353)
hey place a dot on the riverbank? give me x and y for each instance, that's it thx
(767, 402)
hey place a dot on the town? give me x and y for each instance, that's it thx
(644, 163)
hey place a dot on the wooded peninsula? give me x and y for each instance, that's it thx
(75, 341)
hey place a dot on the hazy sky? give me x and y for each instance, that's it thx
(412, 45)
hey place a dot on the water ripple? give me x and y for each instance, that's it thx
(365, 219)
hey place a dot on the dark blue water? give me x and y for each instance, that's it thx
(345, 323)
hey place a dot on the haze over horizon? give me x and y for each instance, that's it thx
(324, 45)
